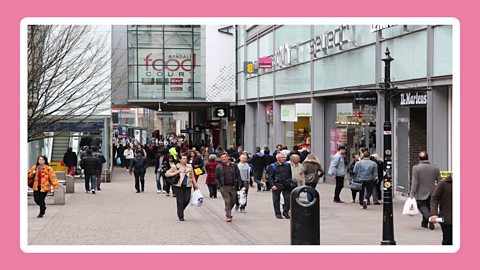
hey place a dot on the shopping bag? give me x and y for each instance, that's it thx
(197, 198)
(410, 207)
(242, 197)
(118, 161)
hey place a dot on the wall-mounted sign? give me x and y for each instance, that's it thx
(249, 67)
(303, 109)
(220, 112)
(344, 109)
(329, 40)
(288, 113)
(265, 62)
(411, 99)
(366, 99)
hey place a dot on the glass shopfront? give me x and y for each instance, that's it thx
(355, 127)
(164, 62)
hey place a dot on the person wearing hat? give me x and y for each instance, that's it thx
(138, 166)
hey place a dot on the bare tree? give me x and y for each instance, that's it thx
(69, 73)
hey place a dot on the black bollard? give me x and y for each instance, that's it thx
(305, 220)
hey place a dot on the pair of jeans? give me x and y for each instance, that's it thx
(212, 189)
(338, 187)
(245, 185)
(309, 195)
(90, 180)
(39, 198)
(183, 199)
(139, 180)
(258, 179)
(229, 195)
(447, 233)
(424, 208)
(158, 177)
(367, 190)
(276, 200)
(99, 180)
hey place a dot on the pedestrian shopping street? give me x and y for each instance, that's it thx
(117, 215)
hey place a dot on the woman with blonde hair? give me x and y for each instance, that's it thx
(43, 179)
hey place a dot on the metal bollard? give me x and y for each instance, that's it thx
(305, 219)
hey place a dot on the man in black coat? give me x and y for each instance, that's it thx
(278, 174)
(70, 160)
(91, 166)
(138, 166)
(102, 159)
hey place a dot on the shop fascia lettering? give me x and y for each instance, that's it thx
(413, 99)
(174, 63)
(330, 40)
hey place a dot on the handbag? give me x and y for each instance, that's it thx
(199, 171)
(30, 181)
(289, 185)
(173, 179)
(356, 185)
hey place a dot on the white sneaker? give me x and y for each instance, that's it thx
(159, 191)
(163, 191)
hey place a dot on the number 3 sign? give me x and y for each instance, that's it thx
(220, 112)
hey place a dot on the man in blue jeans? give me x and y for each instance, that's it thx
(367, 172)
(338, 171)
(91, 165)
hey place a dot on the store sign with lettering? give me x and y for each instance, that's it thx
(412, 99)
(378, 27)
(329, 40)
(283, 56)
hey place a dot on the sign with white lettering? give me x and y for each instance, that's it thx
(288, 113)
(411, 99)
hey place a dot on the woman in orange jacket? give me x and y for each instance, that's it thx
(44, 178)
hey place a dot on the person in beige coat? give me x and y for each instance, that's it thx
(298, 175)
(183, 188)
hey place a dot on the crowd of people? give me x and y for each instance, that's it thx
(178, 168)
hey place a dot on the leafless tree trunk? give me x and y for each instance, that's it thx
(69, 72)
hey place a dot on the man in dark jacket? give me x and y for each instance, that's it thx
(103, 160)
(70, 160)
(227, 176)
(442, 198)
(91, 166)
(138, 166)
(258, 165)
(278, 174)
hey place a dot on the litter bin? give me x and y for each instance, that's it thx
(305, 218)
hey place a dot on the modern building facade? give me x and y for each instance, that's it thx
(302, 99)
(178, 68)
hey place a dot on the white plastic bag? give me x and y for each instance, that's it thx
(242, 197)
(197, 198)
(282, 201)
(410, 207)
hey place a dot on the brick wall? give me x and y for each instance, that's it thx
(418, 134)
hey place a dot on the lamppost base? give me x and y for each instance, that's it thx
(388, 243)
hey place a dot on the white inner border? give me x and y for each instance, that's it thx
(243, 248)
